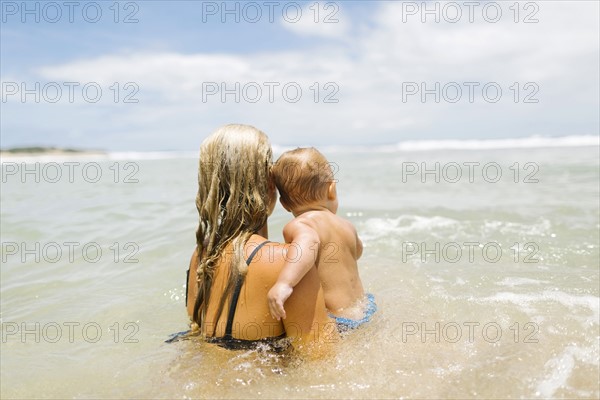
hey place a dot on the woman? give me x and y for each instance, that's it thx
(234, 266)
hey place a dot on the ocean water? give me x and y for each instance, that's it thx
(483, 258)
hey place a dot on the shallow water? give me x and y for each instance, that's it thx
(485, 289)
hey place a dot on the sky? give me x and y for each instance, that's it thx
(162, 75)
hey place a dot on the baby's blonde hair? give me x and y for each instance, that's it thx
(302, 177)
(232, 202)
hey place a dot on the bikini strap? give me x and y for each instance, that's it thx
(187, 281)
(236, 293)
(251, 257)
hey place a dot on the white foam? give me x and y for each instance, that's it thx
(540, 228)
(560, 368)
(404, 146)
(514, 281)
(460, 281)
(516, 143)
(572, 302)
(375, 228)
(462, 144)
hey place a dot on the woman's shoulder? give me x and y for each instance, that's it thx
(261, 251)
(264, 257)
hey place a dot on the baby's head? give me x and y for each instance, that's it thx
(304, 178)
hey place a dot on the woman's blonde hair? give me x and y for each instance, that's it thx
(232, 202)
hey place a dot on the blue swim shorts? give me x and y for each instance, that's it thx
(345, 324)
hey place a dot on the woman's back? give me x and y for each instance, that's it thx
(306, 320)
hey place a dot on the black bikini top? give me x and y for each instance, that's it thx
(228, 341)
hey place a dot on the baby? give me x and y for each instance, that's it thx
(319, 237)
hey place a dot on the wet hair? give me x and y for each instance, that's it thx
(232, 202)
(302, 177)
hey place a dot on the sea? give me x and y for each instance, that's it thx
(483, 257)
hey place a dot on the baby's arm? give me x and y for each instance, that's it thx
(305, 242)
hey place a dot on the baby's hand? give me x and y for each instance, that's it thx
(278, 294)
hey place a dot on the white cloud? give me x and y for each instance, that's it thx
(369, 67)
(321, 19)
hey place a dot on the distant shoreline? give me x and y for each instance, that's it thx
(45, 151)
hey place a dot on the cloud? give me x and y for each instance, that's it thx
(319, 19)
(365, 69)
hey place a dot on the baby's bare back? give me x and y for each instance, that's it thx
(339, 251)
